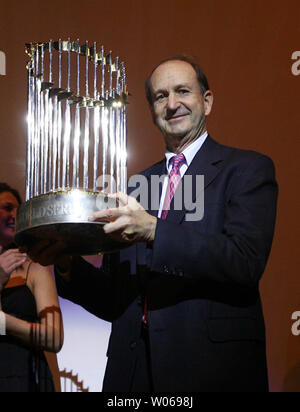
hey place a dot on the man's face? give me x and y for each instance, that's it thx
(179, 108)
(8, 208)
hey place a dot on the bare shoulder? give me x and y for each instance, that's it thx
(35, 269)
(38, 275)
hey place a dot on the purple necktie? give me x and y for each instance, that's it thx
(174, 180)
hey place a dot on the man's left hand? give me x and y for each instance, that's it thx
(129, 222)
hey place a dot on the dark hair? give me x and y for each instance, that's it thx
(4, 188)
(202, 80)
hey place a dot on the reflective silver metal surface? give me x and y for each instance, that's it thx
(76, 139)
(64, 216)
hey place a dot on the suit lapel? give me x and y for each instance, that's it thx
(207, 162)
(144, 253)
(154, 191)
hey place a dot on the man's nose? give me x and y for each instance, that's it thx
(173, 102)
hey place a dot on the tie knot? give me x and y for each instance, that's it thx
(178, 161)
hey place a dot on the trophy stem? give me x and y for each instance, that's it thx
(54, 142)
(49, 117)
(87, 123)
(76, 148)
(29, 162)
(59, 117)
(66, 155)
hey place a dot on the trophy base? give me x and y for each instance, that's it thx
(64, 216)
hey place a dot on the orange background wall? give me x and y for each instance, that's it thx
(245, 48)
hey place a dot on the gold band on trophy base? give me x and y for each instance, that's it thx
(76, 133)
(64, 216)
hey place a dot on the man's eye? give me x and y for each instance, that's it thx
(183, 91)
(159, 97)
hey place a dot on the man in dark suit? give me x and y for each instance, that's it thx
(183, 297)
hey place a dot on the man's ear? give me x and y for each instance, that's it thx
(208, 101)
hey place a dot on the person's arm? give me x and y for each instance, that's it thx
(47, 334)
(95, 289)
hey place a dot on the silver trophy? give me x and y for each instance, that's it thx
(76, 144)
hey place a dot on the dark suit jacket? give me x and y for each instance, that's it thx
(201, 281)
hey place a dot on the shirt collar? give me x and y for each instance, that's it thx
(189, 152)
